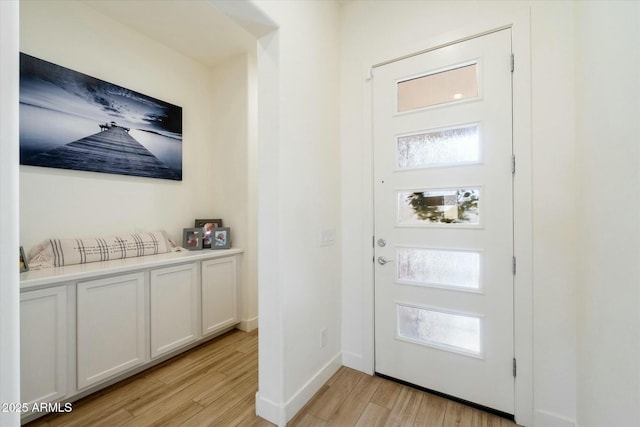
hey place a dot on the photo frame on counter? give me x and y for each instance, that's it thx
(207, 226)
(192, 238)
(24, 266)
(221, 238)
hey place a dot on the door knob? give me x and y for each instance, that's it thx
(382, 260)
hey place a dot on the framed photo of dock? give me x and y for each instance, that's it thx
(70, 120)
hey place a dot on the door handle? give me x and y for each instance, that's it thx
(382, 260)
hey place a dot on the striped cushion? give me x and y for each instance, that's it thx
(59, 252)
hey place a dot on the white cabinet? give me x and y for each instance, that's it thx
(110, 327)
(84, 325)
(219, 294)
(43, 345)
(174, 307)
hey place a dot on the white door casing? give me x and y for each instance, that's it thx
(477, 292)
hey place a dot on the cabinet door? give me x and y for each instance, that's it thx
(219, 294)
(174, 307)
(43, 345)
(111, 327)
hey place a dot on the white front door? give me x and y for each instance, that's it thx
(444, 221)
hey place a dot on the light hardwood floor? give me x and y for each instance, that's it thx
(215, 385)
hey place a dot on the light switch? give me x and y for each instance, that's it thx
(327, 237)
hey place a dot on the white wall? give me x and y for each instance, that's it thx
(554, 224)
(60, 203)
(299, 197)
(233, 165)
(607, 129)
(372, 29)
(9, 214)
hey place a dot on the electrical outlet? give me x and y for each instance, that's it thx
(323, 337)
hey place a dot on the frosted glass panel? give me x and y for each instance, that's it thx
(451, 206)
(438, 88)
(439, 147)
(439, 267)
(444, 330)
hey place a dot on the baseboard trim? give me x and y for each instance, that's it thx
(270, 411)
(354, 361)
(281, 414)
(306, 392)
(549, 419)
(248, 325)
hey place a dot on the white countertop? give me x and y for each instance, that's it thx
(46, 277)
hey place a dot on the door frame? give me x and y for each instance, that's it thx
(519, 24)
(9, 210)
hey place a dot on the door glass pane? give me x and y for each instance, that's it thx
(439, 267)
(438, 88)
(450, 206)
(444, 330)
(439, 147)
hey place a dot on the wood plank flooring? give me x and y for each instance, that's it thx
(215, 385)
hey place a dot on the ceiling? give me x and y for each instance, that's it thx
(193, 27)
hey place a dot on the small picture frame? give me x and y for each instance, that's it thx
(24, 266)
(192, 238)
(207, 226)
(221, 238)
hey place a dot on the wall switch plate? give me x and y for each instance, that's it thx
(327, 237)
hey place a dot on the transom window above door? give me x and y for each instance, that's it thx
(439, 87)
